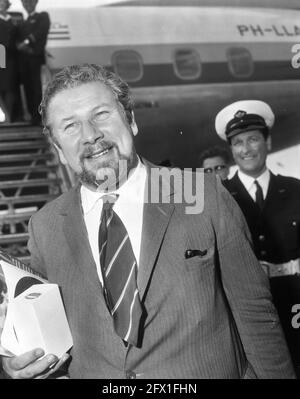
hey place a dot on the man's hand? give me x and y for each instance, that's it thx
(24, 47)
(30, 365)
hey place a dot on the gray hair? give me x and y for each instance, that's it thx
(76, 75)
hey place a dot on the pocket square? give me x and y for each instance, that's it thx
(190, 253)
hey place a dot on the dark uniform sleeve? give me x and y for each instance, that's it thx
(39, 32)
(36, 33)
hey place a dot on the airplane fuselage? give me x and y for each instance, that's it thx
(184, 64)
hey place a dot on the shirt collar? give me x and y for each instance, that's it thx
(131, 191)
(7, 17)
(248, 181)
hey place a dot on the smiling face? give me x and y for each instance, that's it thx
(249, 150)
(91, 133)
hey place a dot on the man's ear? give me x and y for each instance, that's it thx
(133, 125)
(60, 154)
(269, 143)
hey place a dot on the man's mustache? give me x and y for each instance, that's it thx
(91, 149)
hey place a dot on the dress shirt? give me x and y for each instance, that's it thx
(129, 208)
(250, 186)
(5, 17)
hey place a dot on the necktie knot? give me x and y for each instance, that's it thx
(109, 201)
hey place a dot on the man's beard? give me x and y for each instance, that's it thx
(113, 169)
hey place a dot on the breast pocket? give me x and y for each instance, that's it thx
(200, 263)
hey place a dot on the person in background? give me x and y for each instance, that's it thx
(215, 160)
(32, 39)
(7, 74)
(270, 204)
(151, 289)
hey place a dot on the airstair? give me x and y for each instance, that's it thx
(30, 176)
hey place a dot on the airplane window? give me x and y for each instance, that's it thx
(187, 64)
(240, 62)
(128, 65)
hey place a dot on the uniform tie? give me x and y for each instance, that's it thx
(119, 271)
(259, 197)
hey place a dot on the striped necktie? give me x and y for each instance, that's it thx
(259, 197)
(119, 271)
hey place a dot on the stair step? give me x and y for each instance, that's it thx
(25, 157)
(25, 199)
(8, 170)
(20, 135)
(19, 127)
(29, 183)
(22, 145)
(16, 217)
(12, 238)
(24, 259)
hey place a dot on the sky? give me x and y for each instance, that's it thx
(46, 4)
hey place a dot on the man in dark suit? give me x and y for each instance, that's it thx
(195, 302)
(7, 74)
(32, 39)
(270, 204)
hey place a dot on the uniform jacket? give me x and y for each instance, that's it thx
(7, 39)
(35, 28)
(276, 229)
(209, 316)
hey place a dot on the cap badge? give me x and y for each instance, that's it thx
(240, 114)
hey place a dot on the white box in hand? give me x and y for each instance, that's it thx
(40, 321)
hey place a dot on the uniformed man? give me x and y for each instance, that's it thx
(32, 41)
(7, 74)
(270, 203)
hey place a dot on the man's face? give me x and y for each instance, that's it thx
(216, 165)
(91, 132)
(29, 5)
(249, 150)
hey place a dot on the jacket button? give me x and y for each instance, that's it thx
(130, 375)
(261, 237)
(294, 223)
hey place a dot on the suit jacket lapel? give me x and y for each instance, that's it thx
(156, 217)
(77, 238)
(240, 193)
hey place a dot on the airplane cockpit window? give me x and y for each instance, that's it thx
(187, 64)
(128, 64)
(240, 62)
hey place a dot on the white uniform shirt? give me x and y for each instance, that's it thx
(250, 186)
(7, 17)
